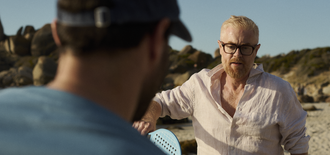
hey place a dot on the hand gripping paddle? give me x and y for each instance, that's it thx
(166, 141)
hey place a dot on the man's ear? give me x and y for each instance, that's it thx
(219, 43)
(54, 33)
(158, 40)
(257, 48)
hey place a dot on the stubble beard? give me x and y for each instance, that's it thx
(236, 73)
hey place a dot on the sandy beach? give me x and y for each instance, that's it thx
(318, 127)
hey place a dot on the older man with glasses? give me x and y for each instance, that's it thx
(236, 107)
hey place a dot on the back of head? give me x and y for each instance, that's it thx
(89, 25)
(241, 22)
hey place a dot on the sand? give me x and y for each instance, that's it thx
(317, 124)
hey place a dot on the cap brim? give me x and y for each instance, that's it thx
(180, 30)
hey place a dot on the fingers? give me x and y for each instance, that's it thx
(143, 127)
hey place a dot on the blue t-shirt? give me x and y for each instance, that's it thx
(38, 120)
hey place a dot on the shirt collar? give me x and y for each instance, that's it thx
(256, 69)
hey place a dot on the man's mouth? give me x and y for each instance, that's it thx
(236, 63)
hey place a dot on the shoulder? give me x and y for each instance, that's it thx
(275, 81)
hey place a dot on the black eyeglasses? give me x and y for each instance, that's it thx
(244, 49)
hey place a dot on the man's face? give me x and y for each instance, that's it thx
(151, 85)
(236, 65)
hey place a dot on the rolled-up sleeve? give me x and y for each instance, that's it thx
(292, 127)
(178, 102)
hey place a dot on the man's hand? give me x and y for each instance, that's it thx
(148, 122)
(144, 127)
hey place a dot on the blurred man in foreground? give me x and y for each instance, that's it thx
(113, 57)
(236, 107)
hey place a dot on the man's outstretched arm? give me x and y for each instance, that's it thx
(148, 122)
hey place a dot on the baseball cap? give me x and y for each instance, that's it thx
(127, 11)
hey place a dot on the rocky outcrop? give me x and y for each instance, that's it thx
(308, 67)
(33, 52)
(187, 50)
(17, 63)
(43, 42)
(216, 53)
(2, 33)
(44, 71)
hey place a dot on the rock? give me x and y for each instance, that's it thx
(320, 98)
(326, 90)
(43, 42)
(305, 99)
(168, 82)
(8, 79)
(311, 90)
(327, 100)
(217, 53)
(23, 76)
(44, 71)
(17, 45)
(29, 32)
(29, 36)
(29, 29)
(179, 80)
(216, 61)
(19, 31)
(308, 107)
(4, 66)
(2, 34)
(182, 66)
(28, 61)
(187, 50)
(201, 59)
(3, 74)
(188, 147)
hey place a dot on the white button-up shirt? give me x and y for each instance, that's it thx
(267, 116)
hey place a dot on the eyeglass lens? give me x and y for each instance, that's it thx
(245, 50)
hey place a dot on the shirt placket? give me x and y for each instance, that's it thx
(232, 140)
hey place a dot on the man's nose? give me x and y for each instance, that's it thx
(238, 52)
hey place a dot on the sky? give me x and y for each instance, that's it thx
(284, 25)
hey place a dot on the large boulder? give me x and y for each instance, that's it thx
(29, 32)
(179, 80)
(201, 59)
(216, 61)
(188, 49)
(4, 66)
(182, 66)
(44, 71)
(3, 74)
(28, 29)
(305, 99)
(327, 100)
(311, 90)
(43, 42)
(217, 53)
(320, 98)
(168, 82)
(2, 34)
(23, 76)
(17, 45)
(326, 90)
(28, 61)
(8, 78)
